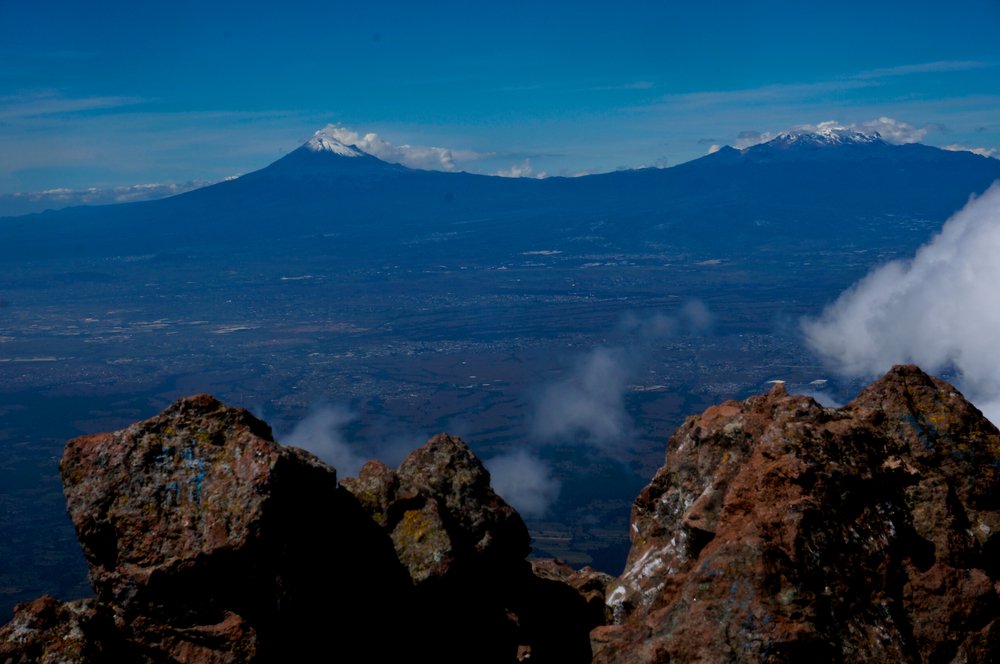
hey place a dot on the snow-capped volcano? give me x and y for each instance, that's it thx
(325, 140)
(837, 136)
(826, 140)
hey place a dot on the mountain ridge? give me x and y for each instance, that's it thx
(315, 157)
(800, 190)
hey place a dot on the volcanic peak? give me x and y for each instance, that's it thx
(325, 140)
(826, 134)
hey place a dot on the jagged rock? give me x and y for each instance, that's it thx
(777, 530)
(442, 513)
(465, 550)
(591, 584)
(47, 630)
(781, 531)
(208, 541)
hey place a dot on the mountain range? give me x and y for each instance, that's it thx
(797, 188)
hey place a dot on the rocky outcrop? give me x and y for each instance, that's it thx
(47, 630)
(782, 531)
(208, 541)
(465, 550)
(588, 582)
(776, 531)
(441, 513)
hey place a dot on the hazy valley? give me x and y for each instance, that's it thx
(574, 321)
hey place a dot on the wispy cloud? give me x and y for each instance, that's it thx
(983, 152)
(798, 93)
(24, 202)
(321, 432)
(894, 131)
(522, 170)
(524, 481)
(940, 310)
(587, 404)
(923, 68)
(414, 156)
(634, 85)
(48, 143)
(806, 91)
(45, 103)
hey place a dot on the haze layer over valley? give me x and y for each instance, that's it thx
(563, 327)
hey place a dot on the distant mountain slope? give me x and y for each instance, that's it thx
(796, 188)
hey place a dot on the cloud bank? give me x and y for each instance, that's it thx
(31, 201)
(524, 481)
(940, 310)
(982, 152)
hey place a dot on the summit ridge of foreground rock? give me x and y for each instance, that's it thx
(777, 530)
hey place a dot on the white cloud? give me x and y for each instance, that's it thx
(24, 202)
(321, 432)
(748, 139)
(414, 156)
(923, 68)
(828, 91)
(48, 102)
(522, 170)
(696, 316)
(524, 481)
(894, 131)
(587, 405)
(940, 310)
(766, 95)
(891, 130)
(983, 152)
(821, 397)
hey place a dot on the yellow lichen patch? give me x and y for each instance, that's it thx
(414, 525)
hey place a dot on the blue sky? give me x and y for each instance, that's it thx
(105, 94)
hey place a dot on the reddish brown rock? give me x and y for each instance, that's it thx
(47, 630)
(208, 541)
(781, 531)
(777, 531)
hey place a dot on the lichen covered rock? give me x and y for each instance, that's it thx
(442, 512)
(209, 542)
(203, 535)
(778, 530)
(47, 630)
(465, 550)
